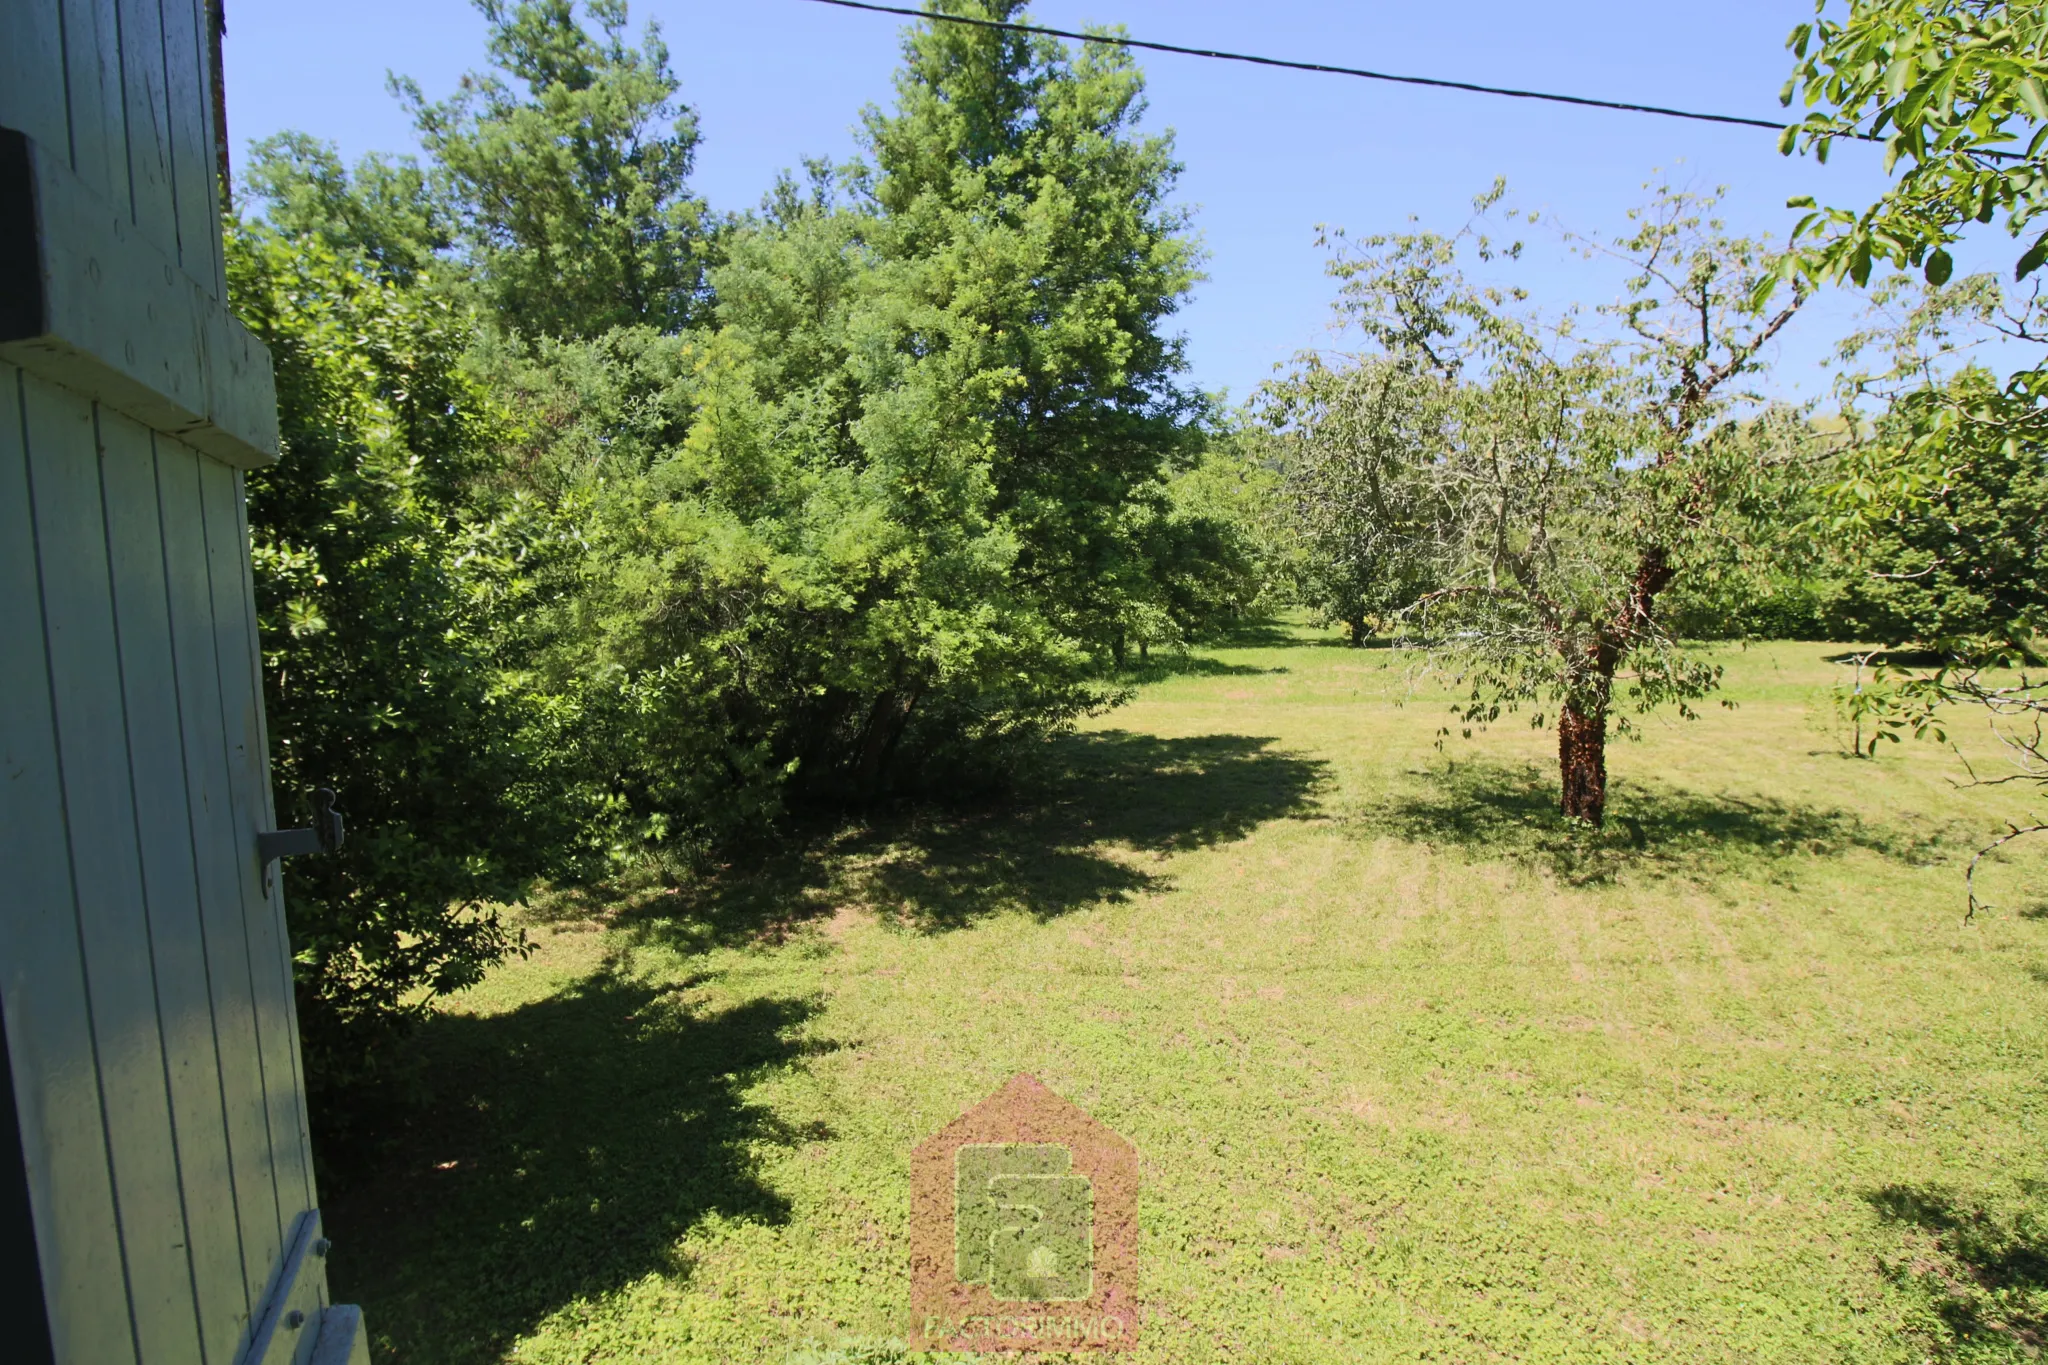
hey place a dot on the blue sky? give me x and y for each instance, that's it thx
(1269, 154)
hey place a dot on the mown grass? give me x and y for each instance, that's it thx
(1416, 1071)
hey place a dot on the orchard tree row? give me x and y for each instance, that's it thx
(1558, 507)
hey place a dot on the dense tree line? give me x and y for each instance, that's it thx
(1946, 494)
(611, 528)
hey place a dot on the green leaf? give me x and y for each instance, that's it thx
(2032, 261)
(2032, 99)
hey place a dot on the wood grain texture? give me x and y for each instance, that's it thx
(249, 791)
(288, 1325)
(219, 283)
(196, 191)
(218, 845)
(276, 886)
(146, 114)
(342, 1340)
(120, 89)
(123, 324)
(106, 871)
(145, 972)
(152, 694)
(92, 83)
(42, 976)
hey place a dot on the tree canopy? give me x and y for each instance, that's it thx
(564, 172)
(1522, 492)
(635, 530)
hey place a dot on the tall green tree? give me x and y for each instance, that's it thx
(871, 498)
(384, 214)
(795, 585)
(565, 173)
(889, 509)
(1037, 260)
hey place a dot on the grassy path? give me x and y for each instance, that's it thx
(1414, 1073)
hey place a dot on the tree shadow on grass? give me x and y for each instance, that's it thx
(1090, 827)
(1120, 801)
(1502, 811)
(1262, 632)
(572, 1142)
(1163, 665)
(1369, 645)
(1982, 1273)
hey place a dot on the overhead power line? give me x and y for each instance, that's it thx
(1470, 86)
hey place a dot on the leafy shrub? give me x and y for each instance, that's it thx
(390, 603)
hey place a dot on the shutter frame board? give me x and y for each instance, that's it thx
(116, 319)
(289, 1324)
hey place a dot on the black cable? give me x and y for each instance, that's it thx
(1344, 70)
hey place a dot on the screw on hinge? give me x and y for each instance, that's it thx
(295, 1320)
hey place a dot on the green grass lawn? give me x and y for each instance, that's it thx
(1415, 1072)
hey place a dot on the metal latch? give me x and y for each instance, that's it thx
(324, 837)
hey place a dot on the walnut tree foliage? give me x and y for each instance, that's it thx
(1955, 91)
(1939, 507)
